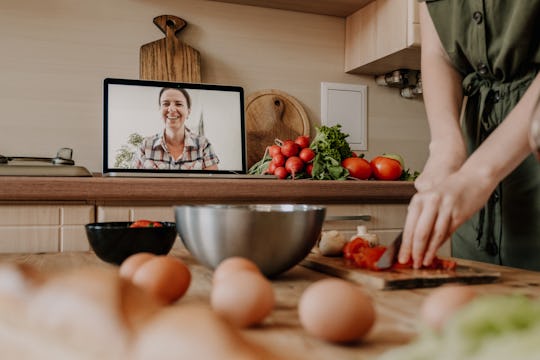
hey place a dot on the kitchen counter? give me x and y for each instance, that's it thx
(190, 190)
(397, 310)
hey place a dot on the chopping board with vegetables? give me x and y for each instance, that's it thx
(170, 59)
(272, 114)
(394, 278)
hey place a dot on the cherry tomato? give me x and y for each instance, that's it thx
(358, 167)
(384, 168)
(302, 141)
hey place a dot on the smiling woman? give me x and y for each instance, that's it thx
(177, 147)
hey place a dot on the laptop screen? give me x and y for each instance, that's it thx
(157, 127)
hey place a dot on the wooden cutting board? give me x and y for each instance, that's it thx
(169, 59)
(400, 278)
(272, 114)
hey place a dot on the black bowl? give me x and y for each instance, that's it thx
(113, 242)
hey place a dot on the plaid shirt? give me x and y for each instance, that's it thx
(153, 154)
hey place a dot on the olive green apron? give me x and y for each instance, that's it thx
(495, 46)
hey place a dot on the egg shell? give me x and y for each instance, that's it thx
(233, 264)
(132, 263)
(335, 310)
(439, 306)
(245, 298)
(165, 277)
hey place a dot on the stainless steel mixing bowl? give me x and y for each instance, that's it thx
(275, 237)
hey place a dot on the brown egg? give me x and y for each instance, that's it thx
(232, 265)
(245, 298)
(132, 263)
(165, 277)
(336, 310)
(443, 302)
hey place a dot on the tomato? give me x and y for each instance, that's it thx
(306, 154)
(290, 148)
(302, 141)
(273, 150)
(384, 168)
(281, 173)
(145, 223)
(358, 167)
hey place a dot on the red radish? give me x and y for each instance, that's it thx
(281, 173)
(309, 168)
(278, 159)
(302, 141)
(290, 148)
(271, 168)
(306, 154)
(294, 165)
(273, 150)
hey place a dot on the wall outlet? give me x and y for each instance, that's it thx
(346, 104)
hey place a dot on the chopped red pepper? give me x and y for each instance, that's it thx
(365, 256)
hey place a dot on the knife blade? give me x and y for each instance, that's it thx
(390, 254)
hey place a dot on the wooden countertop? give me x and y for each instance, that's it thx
(397, 310)
(189, 190)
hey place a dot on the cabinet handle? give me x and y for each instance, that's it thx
(352, 217)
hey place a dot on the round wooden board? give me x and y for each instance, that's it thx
(272, 114)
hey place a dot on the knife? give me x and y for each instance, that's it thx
(390, 254)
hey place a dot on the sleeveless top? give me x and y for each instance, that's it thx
(495, 45)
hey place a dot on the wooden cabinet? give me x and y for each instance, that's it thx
(383, 36)
(340, 8)
(44, 228)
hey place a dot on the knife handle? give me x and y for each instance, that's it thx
(346, 217)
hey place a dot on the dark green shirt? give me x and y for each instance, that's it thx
(495, 46)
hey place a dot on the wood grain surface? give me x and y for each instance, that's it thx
(270, 115)
(169, 59)
(399, 278)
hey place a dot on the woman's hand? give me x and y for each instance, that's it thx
(438, 167)
(434, 214)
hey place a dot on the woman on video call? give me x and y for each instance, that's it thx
(176, 148)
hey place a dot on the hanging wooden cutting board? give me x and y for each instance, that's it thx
(169, 59)
(398, 278)
(272, 114)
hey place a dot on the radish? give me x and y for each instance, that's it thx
(294, 165)
(290, 148)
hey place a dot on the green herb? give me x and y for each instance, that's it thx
(331, 148)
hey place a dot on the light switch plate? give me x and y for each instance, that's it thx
(346, 104)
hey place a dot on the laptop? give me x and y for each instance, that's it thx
(142, 125)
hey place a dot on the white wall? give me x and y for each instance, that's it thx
(56, 53)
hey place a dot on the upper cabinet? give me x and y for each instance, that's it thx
(341, 8)
(383, 36)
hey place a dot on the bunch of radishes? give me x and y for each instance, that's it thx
(290, 158)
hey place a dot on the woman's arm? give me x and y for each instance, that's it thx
(443, 98)
(435, 212)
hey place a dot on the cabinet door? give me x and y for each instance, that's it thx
(44, 228)
(383, 36)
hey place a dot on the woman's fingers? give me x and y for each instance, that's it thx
(424, 227)
(413, 212)
(439, 235)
